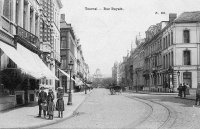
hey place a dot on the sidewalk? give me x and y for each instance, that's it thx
(25, 117)
(152, 93)
(192, 95)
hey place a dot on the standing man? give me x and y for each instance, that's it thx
(197, 101)
(42, 100)
(180, 88)
(184, 89)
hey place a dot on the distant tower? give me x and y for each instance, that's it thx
(97, 73)
(139, 39)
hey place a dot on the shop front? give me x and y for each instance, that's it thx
(21, 71)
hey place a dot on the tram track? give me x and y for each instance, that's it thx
(167, 123)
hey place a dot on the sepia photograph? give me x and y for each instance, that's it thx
(100, 64)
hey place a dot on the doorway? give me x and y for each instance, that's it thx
(187, 78)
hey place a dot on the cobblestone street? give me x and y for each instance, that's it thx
(102, 110)
(176, 113)
(131, 110)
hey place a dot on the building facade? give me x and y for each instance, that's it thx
(22, 68)
(71, 50)
(168, 56)
(50, 38)
(115, 73)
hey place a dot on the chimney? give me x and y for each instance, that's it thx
(62, 17)
(172, 17)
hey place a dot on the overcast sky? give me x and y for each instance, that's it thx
(106, 35)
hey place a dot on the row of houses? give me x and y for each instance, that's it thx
(167, 57)
(36, 46)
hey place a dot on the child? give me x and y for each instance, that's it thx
(50, 104)
(60, 107)
(60, 102)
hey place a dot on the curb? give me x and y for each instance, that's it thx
(152, 93)
(185, 98)
(56, 121)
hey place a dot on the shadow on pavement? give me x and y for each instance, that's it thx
(18, 107)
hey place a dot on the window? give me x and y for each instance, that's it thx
(63, 63)
(186, 35)
(7, 9)
(187, 78)
(72, 47)
(166, 58)
(43, 81)
(47, 82)
(50, 82)
(186, 57)
(160, 44)
(17, 12)
(7, 15)
(169, 60)
(163, 43)
(63, 42)
(172, 37)
(163, 61)
(172, 62)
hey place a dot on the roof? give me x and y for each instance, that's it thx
(64, 25)
(188, 17)
(59, 4)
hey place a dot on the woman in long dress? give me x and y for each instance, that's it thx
(50, 104)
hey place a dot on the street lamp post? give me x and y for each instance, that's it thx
(85, 87)
(70, 87)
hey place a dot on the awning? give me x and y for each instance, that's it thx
(12, 53)
(36, 64)
(78, 81)
(66, 74)
(88, 85)
(45, 70)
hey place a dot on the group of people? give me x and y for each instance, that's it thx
(183, 90)
(46, 104)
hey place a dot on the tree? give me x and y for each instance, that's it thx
(106, 82)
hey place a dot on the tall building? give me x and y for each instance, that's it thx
(70, 49)
(115, 75)
(50, 38)
(21, 65)
(169, 55)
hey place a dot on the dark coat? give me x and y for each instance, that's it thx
(180, 90)
(60, 105)
(50, 104)
(42, 98)
(184, 87)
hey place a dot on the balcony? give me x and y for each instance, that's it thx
(27, 36)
